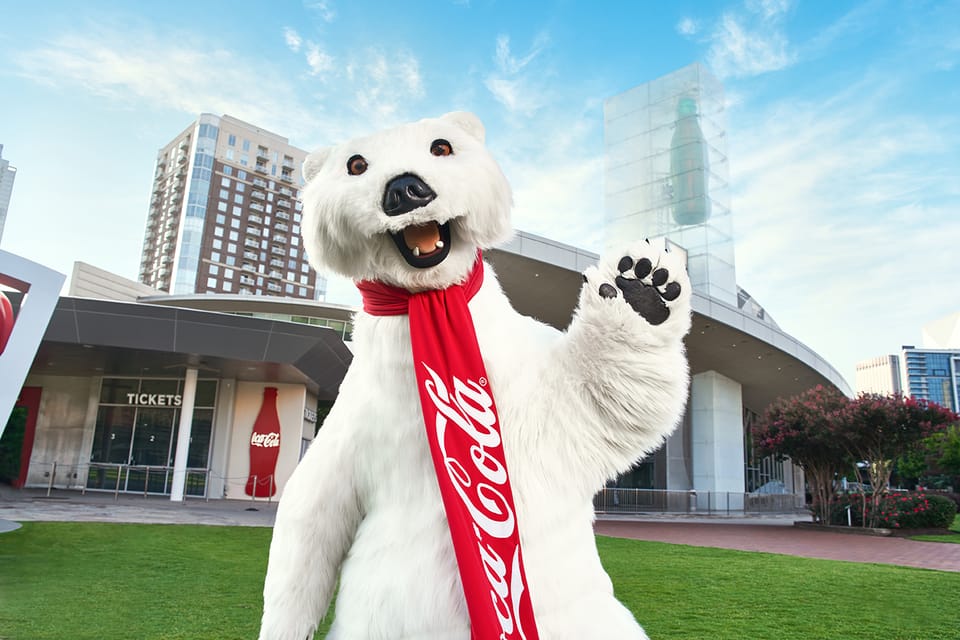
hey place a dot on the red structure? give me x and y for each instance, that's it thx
(264, 448)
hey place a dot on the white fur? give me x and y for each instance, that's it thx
(576, 409)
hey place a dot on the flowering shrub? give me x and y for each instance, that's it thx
(896, 510)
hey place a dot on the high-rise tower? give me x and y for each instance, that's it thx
(667, 176)
(225, 214)
(7, 175)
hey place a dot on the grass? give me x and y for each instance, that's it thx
(952, 536)
(90, 580)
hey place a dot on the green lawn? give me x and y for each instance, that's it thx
(953, 537)
(120, 581)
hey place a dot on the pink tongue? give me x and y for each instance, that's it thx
(424, 237)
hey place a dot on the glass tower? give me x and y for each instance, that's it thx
(666, 173)
(932, 374)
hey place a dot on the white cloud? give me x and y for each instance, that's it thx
(736, 50)
(384, 86)
(318, 60)
(769, 9)
(688, 27)
(324, 9)
(841, 210)
(512, 84)
(134, 68)
(292, 38)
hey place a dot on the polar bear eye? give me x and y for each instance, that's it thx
(441, 147)
(356, 165)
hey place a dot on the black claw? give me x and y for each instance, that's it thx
(671, 292)
(643, 268)
(608, 291)
(660, 276)
(625, 263)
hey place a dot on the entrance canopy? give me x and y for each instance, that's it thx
(109, 338)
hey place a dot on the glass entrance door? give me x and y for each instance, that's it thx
(152, 440)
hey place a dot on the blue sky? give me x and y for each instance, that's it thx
(843, 124)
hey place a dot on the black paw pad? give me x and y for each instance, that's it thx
(646, 290)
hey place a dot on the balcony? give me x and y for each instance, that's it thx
(286, 177)
(256, 207)
(278, 251)
(259, 195)
(251, 255)
(261, 168)
(181, 158)
(170, 234)
(282, 227)
(283, 203)
(275, 274)
(281, 215)
(273, 286)
(275, 262)
(185, 144)
(248, 267)
(278, 238)
(244, 291)
(285, 191)
(260, 182)
(251, 242)
(245, 279)
(254, 218)
(253, 231)
(262, 152)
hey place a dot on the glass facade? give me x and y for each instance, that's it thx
(135, 439)
(666, 173)
(932, 375)
(191, 238)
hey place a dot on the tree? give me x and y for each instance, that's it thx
(936, 460)
(876, 430)
(803, 428)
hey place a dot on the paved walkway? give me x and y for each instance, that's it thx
(789, 540)
(771, 534)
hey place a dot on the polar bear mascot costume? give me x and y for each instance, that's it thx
(450, 487)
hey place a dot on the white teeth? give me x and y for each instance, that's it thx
(416, 251)
(439, 244)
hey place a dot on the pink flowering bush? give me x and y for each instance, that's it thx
(895, 510)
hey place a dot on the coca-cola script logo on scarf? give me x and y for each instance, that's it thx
(482, 485)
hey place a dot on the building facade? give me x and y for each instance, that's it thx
(225, 212)
(8, 174)
(879, 375)
(932, 374)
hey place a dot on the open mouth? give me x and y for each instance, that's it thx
(424, 245)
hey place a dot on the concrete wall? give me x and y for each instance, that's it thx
(88, 281)
(65, 425)
(291, 400)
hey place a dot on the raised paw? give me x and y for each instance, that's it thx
(647, 286)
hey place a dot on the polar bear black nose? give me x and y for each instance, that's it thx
(405, 193)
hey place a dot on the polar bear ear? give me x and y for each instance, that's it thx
(466, 121)
(314, 162)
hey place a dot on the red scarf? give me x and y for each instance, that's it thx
(464, 434)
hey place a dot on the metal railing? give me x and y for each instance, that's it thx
(640, 501)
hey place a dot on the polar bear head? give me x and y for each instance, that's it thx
(408, 206)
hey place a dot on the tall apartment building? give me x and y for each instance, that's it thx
(932, 374)
(7, 176)
(878, 375)
(225, 214)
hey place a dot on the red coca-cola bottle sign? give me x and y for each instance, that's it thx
(264, 448)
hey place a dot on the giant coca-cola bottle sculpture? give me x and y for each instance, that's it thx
(264, 447)
(689, 164)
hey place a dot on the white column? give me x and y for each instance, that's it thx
(716, 408)
(183, 438)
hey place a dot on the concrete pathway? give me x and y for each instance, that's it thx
(771, 534)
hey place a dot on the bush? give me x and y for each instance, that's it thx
(897, 510)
